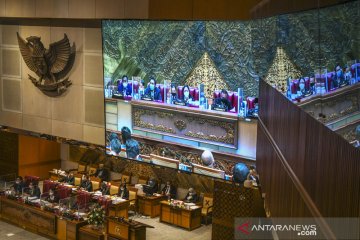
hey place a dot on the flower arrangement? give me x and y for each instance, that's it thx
(96, 216)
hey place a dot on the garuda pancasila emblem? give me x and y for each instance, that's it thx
(51, 65)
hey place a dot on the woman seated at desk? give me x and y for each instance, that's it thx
(186, 98)
(51, 198)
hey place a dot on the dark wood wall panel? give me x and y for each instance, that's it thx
(8, 153)
(327, 166)
(233, 201)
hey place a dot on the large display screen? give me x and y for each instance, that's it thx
(175, 91)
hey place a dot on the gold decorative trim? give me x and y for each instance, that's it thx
(180, 124)
(229, 138)
(137, 113)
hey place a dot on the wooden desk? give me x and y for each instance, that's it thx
(39, 221)
(126, 230)
(87, 233)
(120, 209)
(186, 218)
(150, 206)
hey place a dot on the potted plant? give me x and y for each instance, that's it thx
(96, 216)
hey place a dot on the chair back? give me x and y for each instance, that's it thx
(92, 170)
(29, 179)
(48, 184)
(208, 200)
(114, 189)
(81, 167)
(95, 183)
(126, 178)
(77, 179)
(143, 180)
(132, 193)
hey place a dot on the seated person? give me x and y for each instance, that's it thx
(339, 79)
(115, 146)
(253, 176)
(34, 190)
(51, 198)
(132, 146)
(191, 196)
(169, 190)
(124, 88)
(102, 173)
(152, 91)
(151, 187)
(18, 185)
(68, 179)
(141, 87)
(105, 188)
(173, 93)
(123, 192)
(86, 183)
(304, 92)
(223, 101)
(186, 97)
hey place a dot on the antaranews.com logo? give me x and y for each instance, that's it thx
(295, 228)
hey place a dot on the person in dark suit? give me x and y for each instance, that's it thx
(52, 198)
(18, 185)
(169, 190)
(34, 190)
(191, 196)
(102, 173)
(153, 184)
(123, 192)
(223, 101)
(132, 146)
(105, 188)
(68, 179)
(124, 87)
(153, 91)
(86, 183)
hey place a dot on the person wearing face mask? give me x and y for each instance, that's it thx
(123, 192)
(223, 101)
(132, 146)
(152, 91)
(191, 196)
(186, 97)
(51, 198)
(173, 92)
(339, 79)
(169, 190)
(124, 87)
(34, 190)
(18, 185)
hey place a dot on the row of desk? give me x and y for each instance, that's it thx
(50, 225)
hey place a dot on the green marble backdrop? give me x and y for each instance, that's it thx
(241, 50)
